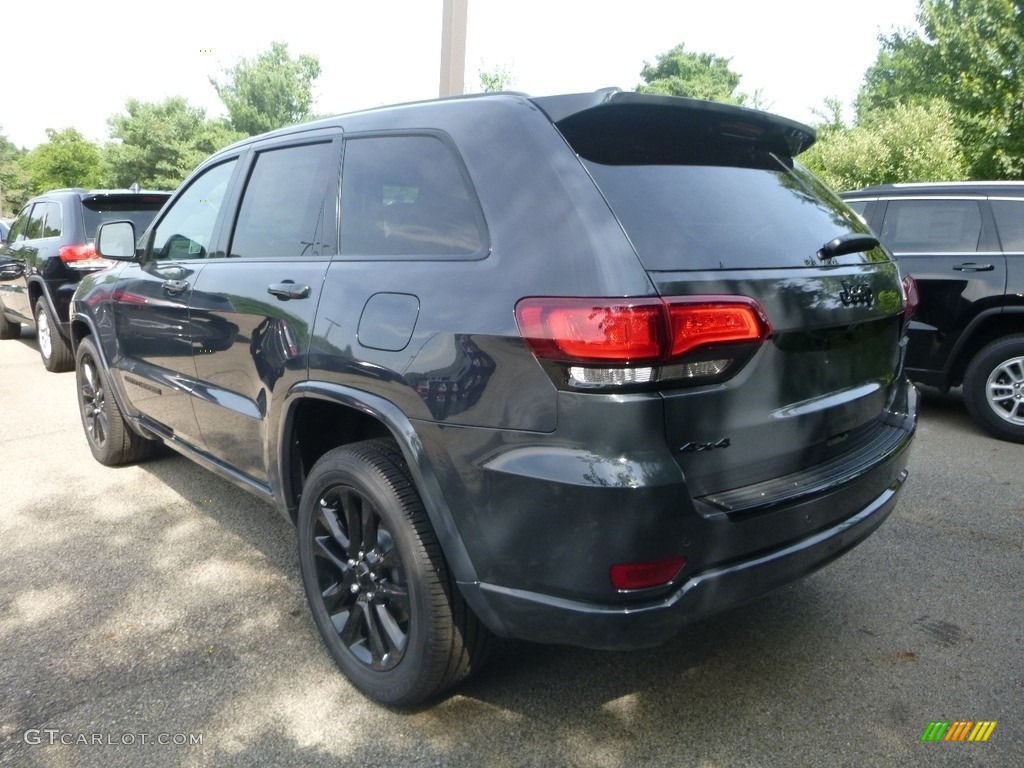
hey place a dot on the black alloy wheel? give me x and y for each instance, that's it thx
(377, 583)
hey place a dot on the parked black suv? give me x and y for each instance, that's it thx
(575, 369)
(49, 249)
(963, 243)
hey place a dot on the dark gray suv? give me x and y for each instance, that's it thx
(575, 369)
(49, 249)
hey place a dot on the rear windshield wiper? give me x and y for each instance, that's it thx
(844, 244)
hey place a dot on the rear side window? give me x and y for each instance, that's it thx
(35, 222)
(53, 225)
(139, 209)
(407, 196)
(932, 226)
(282, 209)
(708, 217)
(1010, 223)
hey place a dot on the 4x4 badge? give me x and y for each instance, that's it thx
(857, 293)
(697, 447)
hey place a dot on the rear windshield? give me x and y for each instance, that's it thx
(709, 217)
(138, 209)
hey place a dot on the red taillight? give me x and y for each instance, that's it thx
(646, 575)
(636, 331)
(911, 298)
(70, 253)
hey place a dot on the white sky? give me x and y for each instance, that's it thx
(78, 63)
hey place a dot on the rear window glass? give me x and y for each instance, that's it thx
(138, 209)
(708, 217)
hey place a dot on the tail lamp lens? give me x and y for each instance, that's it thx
(72, 253)
(657, 573)
(911, 298)
(623, 342)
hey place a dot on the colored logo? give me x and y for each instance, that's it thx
(958, 730)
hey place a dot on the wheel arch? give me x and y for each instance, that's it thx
(983, 330)
(321, 416)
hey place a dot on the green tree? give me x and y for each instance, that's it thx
(697, 75)
(497, 79)
(13, 182)
(971, 54)
(158, 144)
(912, 142)
(67, 159)
(269, 91)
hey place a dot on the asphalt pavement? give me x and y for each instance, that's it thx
(153, 615)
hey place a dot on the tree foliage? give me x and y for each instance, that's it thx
(679, 72)
(158, 144)
(269, 91)
(67, 159)
(971, 54)
(497, 79)
(13, 182)
(909, 142)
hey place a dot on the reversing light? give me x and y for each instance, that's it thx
(656, 573)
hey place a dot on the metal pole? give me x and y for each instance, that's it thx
(453, 48)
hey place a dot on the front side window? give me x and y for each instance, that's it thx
(19, 227)
(186, 231)
(282, 209)
(932, 226)
(406, 196)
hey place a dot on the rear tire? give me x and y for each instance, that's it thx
(111, 441)
(53, 349)
(378, 586)
(994, 388)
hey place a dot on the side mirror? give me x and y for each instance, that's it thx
(116, 240)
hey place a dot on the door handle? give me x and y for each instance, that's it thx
(175, 287)
(972, 267)
(288, 290)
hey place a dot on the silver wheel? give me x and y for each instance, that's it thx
(1005, 390)
(43, 332)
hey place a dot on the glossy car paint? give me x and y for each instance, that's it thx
(533, 489)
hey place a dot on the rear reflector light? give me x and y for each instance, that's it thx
(71, 253)
(628, 342)
(646, 575)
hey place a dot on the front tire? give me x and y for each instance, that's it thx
(53, 349)
(376, 580)
(111, 441)
(994, 388)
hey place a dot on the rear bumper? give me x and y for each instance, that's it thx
(543, 618)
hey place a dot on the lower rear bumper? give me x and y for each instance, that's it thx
(543, 618)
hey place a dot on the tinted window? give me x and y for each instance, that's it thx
(858, 205)
(139, 209)
(186, 230)
(1010, 223)
(19, 226)
(54, 222)
(932, 226)
(406, 196)
(690, 217)
(35, 222)
(282, 209)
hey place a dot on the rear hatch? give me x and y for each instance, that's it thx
(714, 205)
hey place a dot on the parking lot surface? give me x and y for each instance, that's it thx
(153, 615)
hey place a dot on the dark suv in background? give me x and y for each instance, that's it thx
(49, 249)
(963, 243)
(575, 369)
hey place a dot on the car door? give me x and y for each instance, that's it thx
(949, 246)
(253, 311)
(155, 362)
(24, 248)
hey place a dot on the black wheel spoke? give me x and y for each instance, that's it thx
(327, 515)
(395, 595)
(393, 631)
(378, 645)
(324, 551)
(351, 510)
(335, 595)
